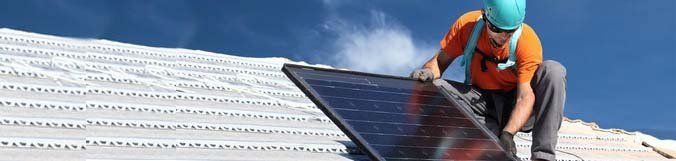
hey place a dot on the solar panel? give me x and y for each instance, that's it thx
(395, 118)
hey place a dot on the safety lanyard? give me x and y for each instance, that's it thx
(468, 53)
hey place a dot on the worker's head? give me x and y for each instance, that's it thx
(503, 17)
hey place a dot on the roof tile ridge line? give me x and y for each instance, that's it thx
(92, 53)
(42, 143)
(44, 122)
(25, 66)
(219, 144)
(94, 64)
(182, 107)
(200, 65)
(42, 86)
(183, 72)
(151, 70)
(126, 104)
(254, 114)
(572, 146)
(174, 51)
(149, 124)
(573, 136)
(84, 42)
(181, 123)
(227, 57)
(312, 65)
(6, 99)
(160, 124)
(52, 42)
(165, 62)
(157, 71)
(131, 46)
(131, 142)
(302, 106)
(282, 83)
(140, 50)
(67, 64)
(253, 59)
(262, 60)
(40, 104)
(44, 51)
(14, 32)
(129, 107)
(269, 145)
(596, 127)
(178, 95)
(28, 68)
(262, 72)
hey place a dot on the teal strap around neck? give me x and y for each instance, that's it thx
(468, 53)
(469, 49)
(512, 51)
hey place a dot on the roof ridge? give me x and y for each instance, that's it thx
(596, 127)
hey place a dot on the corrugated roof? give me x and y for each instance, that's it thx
(84, 99)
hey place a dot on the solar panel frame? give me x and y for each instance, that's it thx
(350, 132)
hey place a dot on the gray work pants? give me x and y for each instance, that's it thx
(493, 108)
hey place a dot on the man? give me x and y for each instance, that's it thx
(509, 87)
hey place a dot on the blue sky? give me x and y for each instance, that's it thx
(619, 54)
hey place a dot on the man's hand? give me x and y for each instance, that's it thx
(433, 68)
(423, 74)
(507, 142)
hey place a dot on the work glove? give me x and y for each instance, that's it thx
(507, 142)
(423, 74)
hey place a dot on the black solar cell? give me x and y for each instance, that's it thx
(396, 118)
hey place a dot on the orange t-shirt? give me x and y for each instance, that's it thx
(528, 54)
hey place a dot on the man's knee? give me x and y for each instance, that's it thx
(554, 68)
(552, 71)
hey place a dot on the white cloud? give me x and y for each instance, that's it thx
(380, 46)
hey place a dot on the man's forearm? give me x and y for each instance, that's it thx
(522, 111)
(438, 63)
